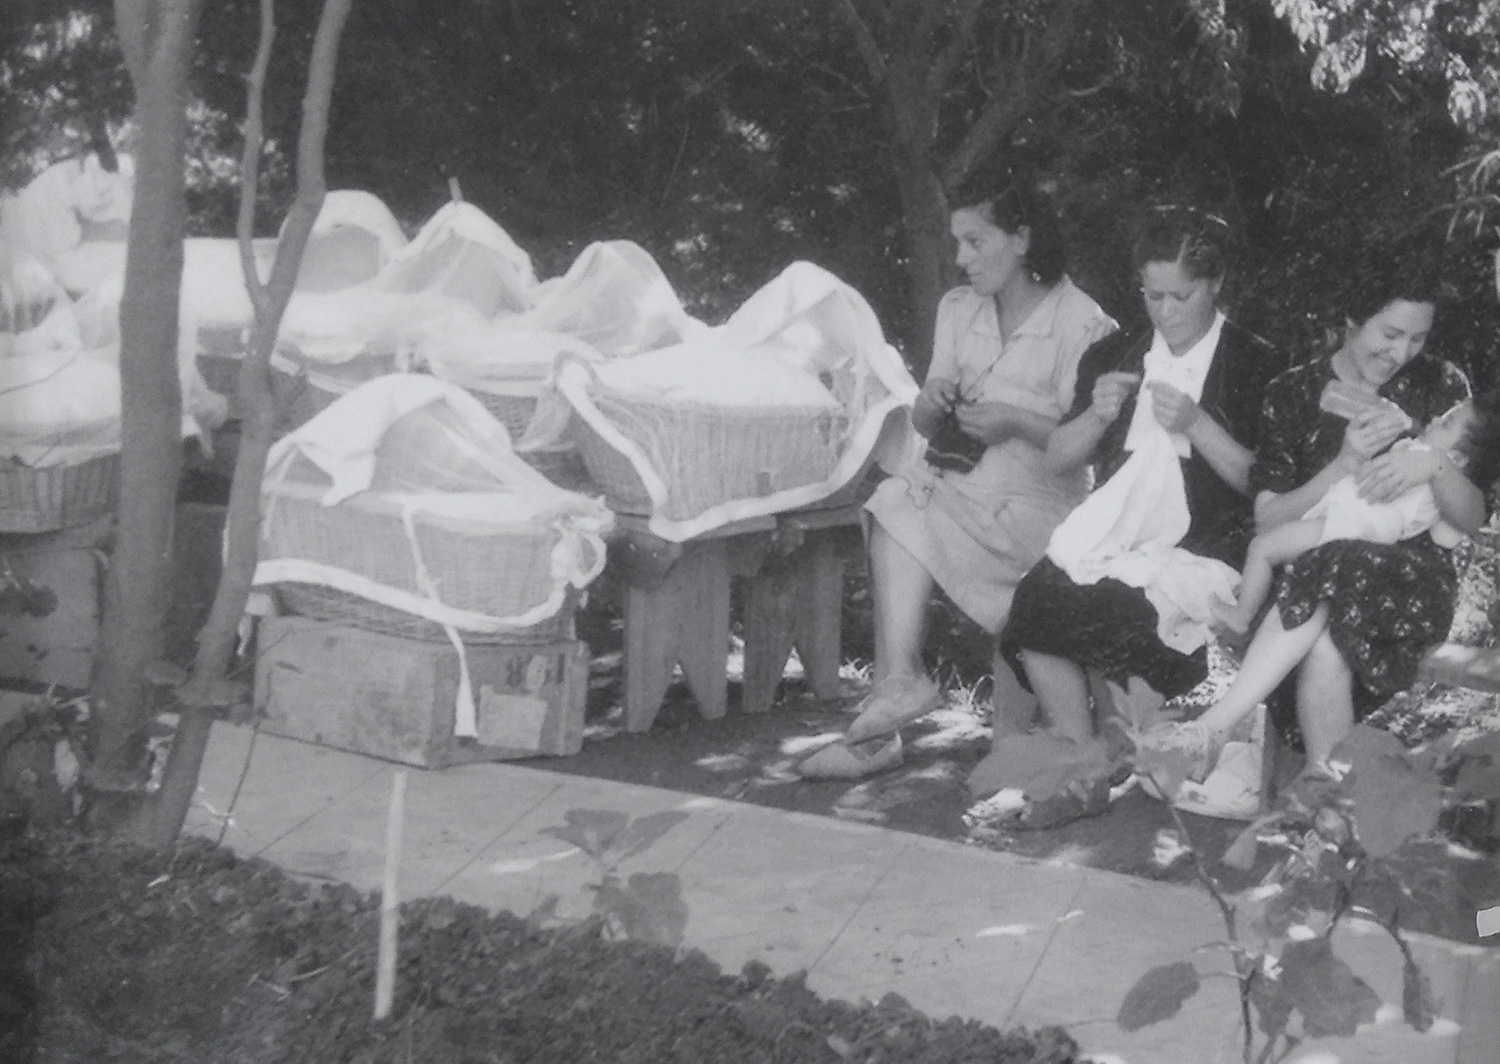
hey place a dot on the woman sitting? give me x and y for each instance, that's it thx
(976, 513)
(1170, 415)
(1352, 617)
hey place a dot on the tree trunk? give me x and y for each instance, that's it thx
(158, 41)
(924, 213)
(160, 820)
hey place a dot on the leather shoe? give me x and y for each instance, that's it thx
(843, 760)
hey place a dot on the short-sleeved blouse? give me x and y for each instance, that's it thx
(976, 533)
(1387, 603)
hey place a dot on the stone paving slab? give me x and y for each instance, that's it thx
(956, 930)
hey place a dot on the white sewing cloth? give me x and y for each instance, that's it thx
(1129, 527)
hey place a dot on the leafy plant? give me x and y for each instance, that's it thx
(1338, 845)
(647, 906)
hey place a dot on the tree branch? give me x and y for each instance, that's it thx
(995, 123)
(864, 40)
(133, 27)
(945, 65)
(250, 158)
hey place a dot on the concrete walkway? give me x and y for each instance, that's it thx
(866, 911)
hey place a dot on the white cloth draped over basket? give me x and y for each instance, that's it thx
(1129, 527)
(777, 409)
(613, 302)
(406, 492)
(460, 265)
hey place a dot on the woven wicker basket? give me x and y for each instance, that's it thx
(512, 411)
(340, 607)
(709, 454)
(563, 466)
(52, 497)
(474, 567)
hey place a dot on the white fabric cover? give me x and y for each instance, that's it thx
(490, 488)
(54, 217)
(613, 302)
(61, 407)
(1129, 527)
(371, 440)
(805, 321)
(461, 266)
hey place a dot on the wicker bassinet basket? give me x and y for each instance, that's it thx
(355, 611)
(474, 567)
(303, 396)
(709, 454)
(512, 411)
(47, 498)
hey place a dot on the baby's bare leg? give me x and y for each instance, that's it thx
(1266, 552)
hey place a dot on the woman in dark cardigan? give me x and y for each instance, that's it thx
(1069, 635)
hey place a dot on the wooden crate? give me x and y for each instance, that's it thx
(60, 647)
(394, 698)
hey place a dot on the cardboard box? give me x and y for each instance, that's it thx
(394, 698)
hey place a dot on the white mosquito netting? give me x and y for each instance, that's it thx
(405, 492)
(780, 407)
(59, 384)
(613, 301)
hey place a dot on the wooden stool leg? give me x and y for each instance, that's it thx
(703, 628)
(820, 618)
(769, 622)
(684, 617)
(796, 601)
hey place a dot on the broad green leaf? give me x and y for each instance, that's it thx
(1330, 997)
(648, 908)
(1364, 742)
(1157, 995)
(1479, 775)
(1392, 802)
(1272, 1004)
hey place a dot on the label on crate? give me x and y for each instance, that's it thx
(516, 718)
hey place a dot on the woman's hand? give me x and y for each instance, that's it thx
(935, 399)
(989, 422)
(1174, 410)
(1110, 392)
(1370, 433)
(1392, 475)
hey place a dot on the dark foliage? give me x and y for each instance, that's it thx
(200, 955)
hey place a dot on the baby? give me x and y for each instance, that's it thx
(1342, 514)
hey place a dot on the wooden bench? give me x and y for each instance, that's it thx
(677, 607)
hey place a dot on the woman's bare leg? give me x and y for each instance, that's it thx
(1325, 700)
(902, 587)
(1272, 655)
(1062, 689)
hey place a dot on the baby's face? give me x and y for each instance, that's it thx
(1445, 432)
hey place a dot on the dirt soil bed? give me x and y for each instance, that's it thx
(114, 954)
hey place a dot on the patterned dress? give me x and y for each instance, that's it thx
(1110, 627)
(1387, 603)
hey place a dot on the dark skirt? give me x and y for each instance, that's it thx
(1387, 606)
(1108, 627)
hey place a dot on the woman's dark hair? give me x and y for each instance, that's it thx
(1179, 233)
(1481, 442)
(1023, 205)
(1385, 275)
